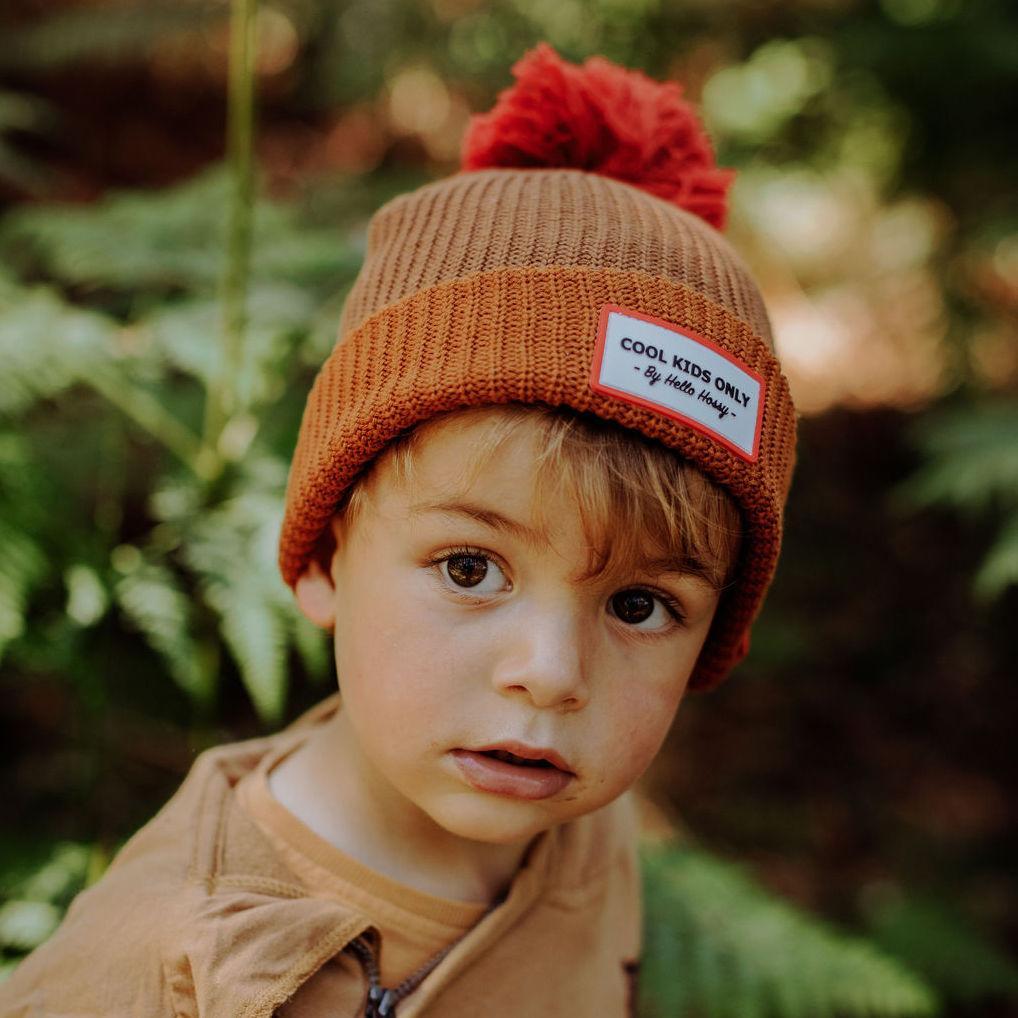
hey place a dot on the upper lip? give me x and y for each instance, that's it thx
(528, 753)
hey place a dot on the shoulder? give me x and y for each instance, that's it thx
(127, 944)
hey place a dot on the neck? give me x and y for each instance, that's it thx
(330, 788)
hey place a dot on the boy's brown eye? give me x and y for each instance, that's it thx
(466, 570)
(632, 606)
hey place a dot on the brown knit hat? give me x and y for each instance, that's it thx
(561, 287)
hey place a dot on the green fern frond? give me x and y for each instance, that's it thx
(934, 939)
(184, 334)
(22, 565)
(46, 346)
(29, 512)
(153, 601)
(718, 944)
(87, 596)
(168, 239)
(232, 550)
(999, 569)
(24, 925)
(55, 877)
(972, 459)
(971, 467)
(256, 636)
(37, 882)
(172, 240)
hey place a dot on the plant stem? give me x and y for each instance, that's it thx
(221, 400)
(147, 412)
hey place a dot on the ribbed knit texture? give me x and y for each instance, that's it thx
(486, 288)
(500, 218)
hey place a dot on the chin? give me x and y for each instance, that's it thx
(494, 820)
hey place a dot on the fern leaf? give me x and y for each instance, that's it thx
(1000, 567)
(717, 944)
(232, 550)
(153, 601)
(45, 346)
(38, 882)
(172, 240)
(22, 564)
(24, 925)
(87, 597)
(57, 877)
(181, 333)
(256, 637)
(942, 944)
(972, 459)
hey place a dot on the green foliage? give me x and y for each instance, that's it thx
(46, 345)
(162, 243)
(154, 601)
(718, 944)
(107, 33)
(199, 584)
(932, 938)
(24, 563)
(37, 883)
(231, 551)
(124, 528)
(972, 467)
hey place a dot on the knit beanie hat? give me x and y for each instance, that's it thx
(575, 262)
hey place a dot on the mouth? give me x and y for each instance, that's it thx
(514, 770)
(521, 755)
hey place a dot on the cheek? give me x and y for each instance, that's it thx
(637, 724)
(398, 659)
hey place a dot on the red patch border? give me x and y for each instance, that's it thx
(627, 397)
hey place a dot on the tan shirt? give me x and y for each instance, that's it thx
(414, 926)
(199, 916)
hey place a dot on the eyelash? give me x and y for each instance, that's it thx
(671, 605)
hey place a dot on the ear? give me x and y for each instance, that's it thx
(316, 596)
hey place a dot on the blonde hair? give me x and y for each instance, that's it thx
(637, 500)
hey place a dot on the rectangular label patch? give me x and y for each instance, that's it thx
(656, 365)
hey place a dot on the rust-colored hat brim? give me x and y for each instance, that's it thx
(527, 334)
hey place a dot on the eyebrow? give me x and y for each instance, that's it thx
(490, 518)
(691, 567)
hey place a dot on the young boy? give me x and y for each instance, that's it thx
(537, 493)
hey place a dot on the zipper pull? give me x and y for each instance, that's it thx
(381, 1003)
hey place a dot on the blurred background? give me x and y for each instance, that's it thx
(860, 765)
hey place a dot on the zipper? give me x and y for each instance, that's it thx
(381, 1001)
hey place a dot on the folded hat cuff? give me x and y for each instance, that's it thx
(529, 335)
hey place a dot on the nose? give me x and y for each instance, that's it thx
(544, 659)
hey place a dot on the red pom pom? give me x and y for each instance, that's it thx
(604, 119)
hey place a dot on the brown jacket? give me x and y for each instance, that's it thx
(198, 918)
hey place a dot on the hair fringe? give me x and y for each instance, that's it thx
(637, 500)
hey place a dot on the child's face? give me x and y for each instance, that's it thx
(461, 627)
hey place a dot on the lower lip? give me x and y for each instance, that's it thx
(487, 774)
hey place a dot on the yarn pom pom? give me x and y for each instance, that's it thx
(604, 119)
